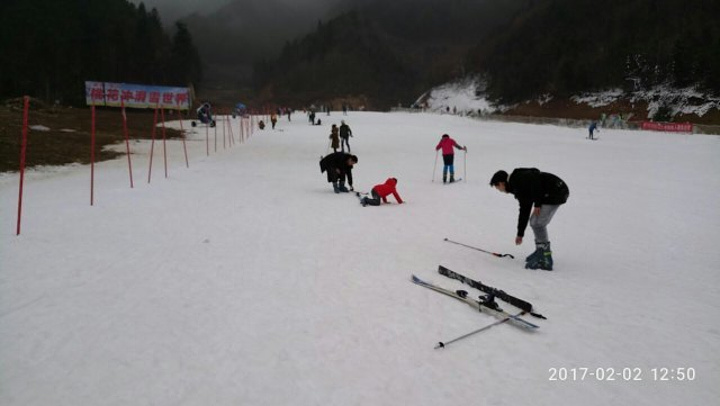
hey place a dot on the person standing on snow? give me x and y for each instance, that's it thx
(335, 138)
(591, 130)
(339, 166)
(345, 134)
(539, 194)
(382, 191)
(273, 120)
(447, 144)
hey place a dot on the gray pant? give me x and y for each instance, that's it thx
(539, 223)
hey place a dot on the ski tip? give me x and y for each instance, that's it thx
(440, 345)
(538, 315)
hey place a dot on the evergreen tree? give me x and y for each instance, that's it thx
(48, 48)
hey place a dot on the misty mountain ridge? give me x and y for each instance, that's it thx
(532, 50)
(246, 31)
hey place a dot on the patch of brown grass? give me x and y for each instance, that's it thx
(68, 140)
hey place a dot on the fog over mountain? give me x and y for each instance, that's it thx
(172, 10)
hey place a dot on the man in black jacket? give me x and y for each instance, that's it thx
(539, 194)
(345, 134)
(339, 166)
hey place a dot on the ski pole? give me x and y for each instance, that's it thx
(481, 329)
(480, 249)
(435, 166)
(465, 166)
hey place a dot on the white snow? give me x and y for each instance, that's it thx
(244, 280)
(467, 96)
(464, 96)
(599, 99)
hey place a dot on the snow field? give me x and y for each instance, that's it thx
(245, 280)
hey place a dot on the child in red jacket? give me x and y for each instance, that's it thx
(381, 191)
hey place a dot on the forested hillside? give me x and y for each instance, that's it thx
(48, 48)
(387, 51)
(394, 51)
(563, 47)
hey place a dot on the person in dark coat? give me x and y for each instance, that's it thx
(334, 138)
(539, 194)
(591, 130)
(345, 134)
(338, 166)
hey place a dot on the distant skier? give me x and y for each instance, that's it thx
(334, 138)
(447, 144)
(338, 166)
(204, 115)
(261, 124)
(546, 192)
(591, 130)
(382, 191)
(273, 120)
(345, 134)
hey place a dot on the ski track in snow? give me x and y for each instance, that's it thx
(244, 280)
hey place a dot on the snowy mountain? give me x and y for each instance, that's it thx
(468, 96)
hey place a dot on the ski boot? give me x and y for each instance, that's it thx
(539, 248)
(544, 261)
(534, 256)
(336, 187)
(444, 178)
(363, 201)
(452, 178)
(342, 188)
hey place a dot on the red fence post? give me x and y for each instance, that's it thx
(127, 141)
(215, 131)
(92, 155)
(232, 136)
(224, 135)
(152, 144)
(162, 114)
(207, 139)
(182, 131)
(23, 152)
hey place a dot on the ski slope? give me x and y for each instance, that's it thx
(244, 280)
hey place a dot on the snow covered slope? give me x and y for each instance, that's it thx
(244, 280)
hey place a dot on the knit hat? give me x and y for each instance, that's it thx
(499, 176)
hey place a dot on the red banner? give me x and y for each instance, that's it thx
(137, 96)
(669, 127)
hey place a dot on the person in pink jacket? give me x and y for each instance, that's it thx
(447, 144)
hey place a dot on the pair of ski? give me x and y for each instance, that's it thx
(485, 304)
